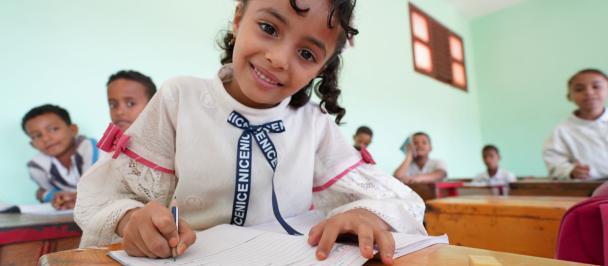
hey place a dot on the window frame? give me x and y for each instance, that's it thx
(433, 73)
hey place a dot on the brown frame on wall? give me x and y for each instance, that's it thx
(446, 62)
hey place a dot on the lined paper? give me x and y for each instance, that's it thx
(268, 245)
(235, 245)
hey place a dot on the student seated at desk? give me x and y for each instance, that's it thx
(494, 175)
(578, 146)
(215, 145)
(363, 137)
(63, 157)
(417, 166)
(128, 93)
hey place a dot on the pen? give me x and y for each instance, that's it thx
(175, 213)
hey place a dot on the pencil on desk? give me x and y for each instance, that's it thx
(175, 213)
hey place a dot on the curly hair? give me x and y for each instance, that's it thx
(325, 85)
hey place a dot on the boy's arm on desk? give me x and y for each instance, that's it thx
(439, 254)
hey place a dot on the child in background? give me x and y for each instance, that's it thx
(363, 137)
(494, 175)
(226, 137)
(64, 156)
(128, 93)
(578, 146)
(417, 166)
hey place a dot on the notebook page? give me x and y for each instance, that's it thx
(43, 209)
(234, 245)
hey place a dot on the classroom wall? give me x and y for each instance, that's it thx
(63, 51)
(382, 90)
(524, 56)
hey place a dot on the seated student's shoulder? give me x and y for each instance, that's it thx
(509, 176)
(40, 161)
(187, 85)
(438, 164)
(569, 125)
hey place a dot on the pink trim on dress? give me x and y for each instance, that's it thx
(336, 178)
(366, 157)
(114, 140)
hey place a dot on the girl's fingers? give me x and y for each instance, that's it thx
(315, 234)
(132, 250)
(138, 244)
(330, 233)
(187, 237)
(153, 240)
(165, 224)
(365, 234)
(386, 246)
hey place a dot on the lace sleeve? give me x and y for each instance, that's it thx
(111, 188)
(368, 188)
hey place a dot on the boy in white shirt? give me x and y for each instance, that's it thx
(578, 146)
(494, 175)
(417, 166)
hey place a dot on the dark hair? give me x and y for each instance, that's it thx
(45, 109)
(420, 133)
(489, 147)
(364, 130)
(586, 71)
(326, 88)
(137, 77)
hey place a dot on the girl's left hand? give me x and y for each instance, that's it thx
(368, 227)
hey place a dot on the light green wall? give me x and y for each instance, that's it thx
(524, 55)
(62, 51)
(382, 90)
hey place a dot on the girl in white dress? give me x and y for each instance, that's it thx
(247, 147)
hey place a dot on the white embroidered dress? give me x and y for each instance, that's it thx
(185, 128)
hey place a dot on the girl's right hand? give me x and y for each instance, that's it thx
(151, 232)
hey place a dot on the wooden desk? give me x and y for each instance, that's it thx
(440, 254)
(478, 190)
(428, 191)
(546, 187)
(518, 224)
(425, 191)
(538, 187)
(25, 237)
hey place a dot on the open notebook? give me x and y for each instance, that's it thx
(268, 245)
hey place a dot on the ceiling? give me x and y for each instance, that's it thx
(477, 8)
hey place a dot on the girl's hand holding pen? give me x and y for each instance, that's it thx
(151, 232)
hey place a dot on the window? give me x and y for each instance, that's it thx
(438, 52)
